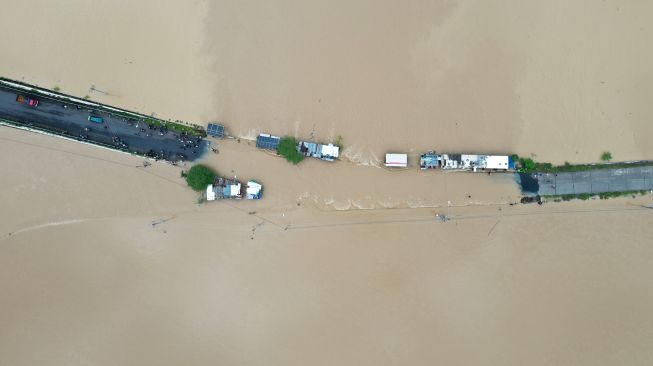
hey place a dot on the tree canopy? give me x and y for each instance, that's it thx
(199, 176)
(606, 156)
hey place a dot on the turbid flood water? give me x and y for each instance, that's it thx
(104, 262)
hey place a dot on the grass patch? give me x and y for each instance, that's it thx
(587, 196)
(528, 165)
(288, 149)
(606, 195)
(177, 126)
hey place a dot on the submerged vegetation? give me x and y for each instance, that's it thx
(288, 149)
(199, 176)
(338, 141)
(528, 165)
(587, 196)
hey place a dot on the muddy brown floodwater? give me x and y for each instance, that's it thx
(104, 262)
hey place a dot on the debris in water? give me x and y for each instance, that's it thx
(442, 217)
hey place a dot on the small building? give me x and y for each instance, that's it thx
(451, 161)
(254, 190)
(429, 160)
(224, 188)
(307, 148)
(393, 160)
(328, 152)
(216, 130)
(267, 142)
(210, 194)
(498, 162)
(476, 162)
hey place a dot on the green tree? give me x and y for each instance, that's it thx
(606, 156)
(527, 165)
(199, 176)
(288, 149)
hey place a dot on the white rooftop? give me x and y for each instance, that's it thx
(253, 190)
(210, 194)
(497, 162)
(396, 160)
(234, 190)
(331, 150)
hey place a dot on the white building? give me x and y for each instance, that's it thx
(396, 160)
(254, 190)
(210, 193)
(475, 162)
(499, 162)
(330, 151)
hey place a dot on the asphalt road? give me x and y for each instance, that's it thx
(590, 181)
(116, 131)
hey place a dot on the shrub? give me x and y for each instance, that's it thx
(527, 165)
(200, 176)
(338, 141)
(606, 156)
(288, 149)
(584, 196)
(568, 197)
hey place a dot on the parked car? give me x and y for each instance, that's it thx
(27, 100)
(96, 119)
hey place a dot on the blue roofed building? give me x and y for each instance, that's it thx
(268, 142)
(429, 160)
(215, 129)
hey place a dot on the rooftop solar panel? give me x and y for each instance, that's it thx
(267, 142)
(215, 129)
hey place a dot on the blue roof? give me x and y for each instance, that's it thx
(307, 148)
(267, 142)
(215, 129)
(429, 160)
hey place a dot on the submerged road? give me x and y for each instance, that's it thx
(119, 132)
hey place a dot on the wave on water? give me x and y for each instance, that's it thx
(251, 134)
(47, 224)
(368, 203)
(361, 156)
